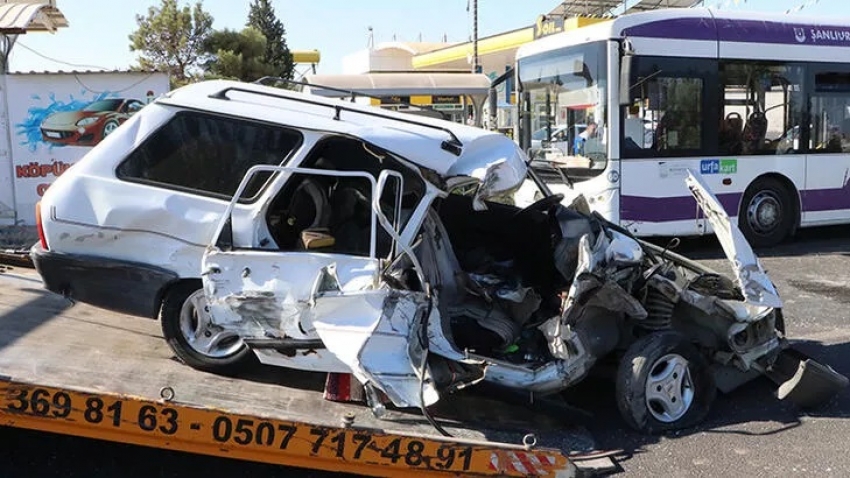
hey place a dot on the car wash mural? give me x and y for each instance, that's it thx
(55, 118)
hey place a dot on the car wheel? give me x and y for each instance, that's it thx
(767, 215)
(197, 342)
(109, 127)
(663, 384)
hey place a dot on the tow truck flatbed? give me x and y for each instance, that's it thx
(78, 370)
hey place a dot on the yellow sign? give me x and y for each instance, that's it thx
(166, 424)
(548, 26)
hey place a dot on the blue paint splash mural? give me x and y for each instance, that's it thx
(30, 127)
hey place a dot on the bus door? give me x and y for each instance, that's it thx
(827, 195)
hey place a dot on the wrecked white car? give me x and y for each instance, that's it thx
(419, 292)
(448, 290)
(377, 249)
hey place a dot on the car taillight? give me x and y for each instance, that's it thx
(39, 226)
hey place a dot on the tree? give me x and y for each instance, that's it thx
(262, 17)
(237, 55)
(171, 39)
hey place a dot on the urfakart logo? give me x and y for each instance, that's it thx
(800, 35)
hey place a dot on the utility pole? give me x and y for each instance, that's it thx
(476, 68)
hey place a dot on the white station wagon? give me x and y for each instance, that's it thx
(321, 235)
(126, 228)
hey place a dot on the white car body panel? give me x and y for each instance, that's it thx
(752, 278)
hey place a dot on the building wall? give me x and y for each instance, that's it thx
(47, 128)
(380, 58)
(356, 63)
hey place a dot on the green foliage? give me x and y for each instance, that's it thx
(277, 55)
(170, 38)
(236, 55)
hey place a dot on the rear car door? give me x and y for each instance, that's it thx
(313, 285)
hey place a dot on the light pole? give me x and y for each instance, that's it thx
(476, 68)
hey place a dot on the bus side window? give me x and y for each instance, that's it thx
(669, 100)
(679, 115)
(830, 113)
(761, 107)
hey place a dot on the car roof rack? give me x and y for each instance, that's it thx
(453, 145)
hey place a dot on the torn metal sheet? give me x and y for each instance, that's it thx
(371, 333)
(752, 279)
(499, 166)
(247, 290)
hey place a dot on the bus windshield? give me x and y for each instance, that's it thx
(564, 94)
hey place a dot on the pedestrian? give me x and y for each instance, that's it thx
(578, 144)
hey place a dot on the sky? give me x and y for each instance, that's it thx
(98, 33)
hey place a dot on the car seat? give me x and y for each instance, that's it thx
(351, 218)
(731, 134)
(755, 132)
(304, 207)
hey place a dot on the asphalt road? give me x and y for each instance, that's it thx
(748, 432)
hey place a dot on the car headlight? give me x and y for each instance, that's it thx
(86, 121)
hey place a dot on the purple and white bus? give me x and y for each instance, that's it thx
(758, 103)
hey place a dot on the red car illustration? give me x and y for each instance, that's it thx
(88, 126)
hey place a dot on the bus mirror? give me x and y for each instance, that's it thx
(625, 79)
(525, 121)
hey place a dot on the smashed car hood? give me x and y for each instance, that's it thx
(495, 161)
(753, 281)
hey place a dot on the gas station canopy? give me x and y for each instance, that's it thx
(22, 16)
(571, 8)
(497, 51)
(400, 84)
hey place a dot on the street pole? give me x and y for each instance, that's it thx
(476, 68)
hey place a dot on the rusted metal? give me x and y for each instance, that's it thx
(16, 258)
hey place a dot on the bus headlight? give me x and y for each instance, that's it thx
(601, 200)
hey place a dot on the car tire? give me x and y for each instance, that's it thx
(663, 384)
(206, 349)
(768, 215)
(109, 127)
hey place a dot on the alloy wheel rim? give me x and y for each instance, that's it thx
(669, 388)
(201, 334)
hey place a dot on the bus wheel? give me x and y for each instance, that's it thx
(767, 214)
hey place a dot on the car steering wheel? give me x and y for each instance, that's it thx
(543, 204)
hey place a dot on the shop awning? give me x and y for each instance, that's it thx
(400, 84)
(17, 17)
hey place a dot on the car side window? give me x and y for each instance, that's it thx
(560, 136)
(134, 106)
(334, 213)
(208, 154)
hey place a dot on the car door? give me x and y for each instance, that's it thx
(317, 293)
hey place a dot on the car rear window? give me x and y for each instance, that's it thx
(209, 154)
